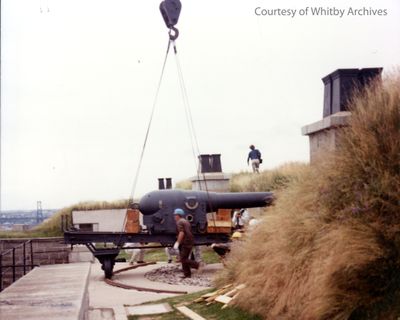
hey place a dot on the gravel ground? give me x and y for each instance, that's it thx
(171, 274)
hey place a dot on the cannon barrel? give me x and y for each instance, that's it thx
(237, 200)
(158, 200)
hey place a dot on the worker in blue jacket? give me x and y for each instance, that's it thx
(255, 157)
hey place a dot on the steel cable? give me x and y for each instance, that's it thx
(149, 124)
(189, 118)
(131, 198)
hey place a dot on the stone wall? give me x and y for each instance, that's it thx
(215, 181)
(107, 220)
(323, 135)
(46, 251)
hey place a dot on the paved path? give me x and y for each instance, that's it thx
(67, 291)
(108, 302)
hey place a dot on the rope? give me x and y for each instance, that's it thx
(185, 97)
(189, 117)
(192, 134)
(150, 122)
(131, 198)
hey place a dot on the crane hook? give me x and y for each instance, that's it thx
(173, 36)
(170, 11)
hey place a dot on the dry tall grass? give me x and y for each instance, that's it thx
(184, 185)
(268, 180)
(330, 247)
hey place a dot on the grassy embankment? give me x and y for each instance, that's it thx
(330, 246)
(268, 180)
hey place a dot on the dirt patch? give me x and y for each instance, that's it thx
(171, 274)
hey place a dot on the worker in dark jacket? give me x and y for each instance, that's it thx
(185, 243)
(255, 157)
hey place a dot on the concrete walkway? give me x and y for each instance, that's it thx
(77, 291)
(48, 292)
(108, 302)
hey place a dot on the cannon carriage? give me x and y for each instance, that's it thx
(208, 213)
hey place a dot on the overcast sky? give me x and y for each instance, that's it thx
(79, 78)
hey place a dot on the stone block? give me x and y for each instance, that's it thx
(149, 309)
(323, 134)
(217, 182)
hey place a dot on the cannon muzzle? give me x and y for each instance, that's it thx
(237, 200)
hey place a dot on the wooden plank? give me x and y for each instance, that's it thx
(207, 295)
(211, 299)
(132, 224)
(227, 286)
(230, 302)
(231, 293)
(223, 299)
(235, 296)
(240, 286)
(218, 293)
(220, 223)
(190, 313)
(224, 215)
(219, 230)
(217, 226)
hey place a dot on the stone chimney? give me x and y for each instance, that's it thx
(164, 183)
(339, 87)
(210, 163)
(210, 176)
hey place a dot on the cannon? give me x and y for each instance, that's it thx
(157, 207)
